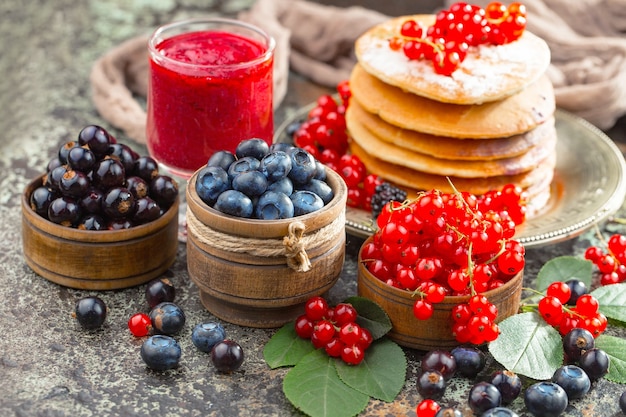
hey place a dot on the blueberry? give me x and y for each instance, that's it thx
(90, 312)
(622, 402)
(320, 188)
(227, 356)
(280, 146)
(576, 342)
(254, 147)
(211, 181)
(221, 159)
(577, 288)
(431, 384)
(284, 186)
(595, 363)
(499, 412)
(469, 360)
(159, 290)
(508, 383)
(167, 318)
(274, 205)
(545, 399)
(207, 335)
(305, 202)
(441, 361)
(161, 352)
(251, 183)
(573, 380)
(320, 171)
(243, 165)
(484, 396)
(235, 203)
(275, 165)
(303, 166)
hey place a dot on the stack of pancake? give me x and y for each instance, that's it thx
(488, 124)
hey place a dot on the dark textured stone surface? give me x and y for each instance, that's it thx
(48, 365)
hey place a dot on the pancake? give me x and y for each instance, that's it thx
(488, 73)
(449, 148)
(512, 116)
(466, 169)
(416, 180)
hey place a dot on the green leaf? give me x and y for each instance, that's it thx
(612, 299)
(527, 345)
(381, 374)
(286, 348)
(615, 347)
(563, 268)
(314, 387)
(371, 316)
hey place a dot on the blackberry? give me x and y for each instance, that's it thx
(385, 193)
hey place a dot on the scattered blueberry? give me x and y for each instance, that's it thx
(448, 412)
(573, 380)
(161, 352)
(90, 312)
(545, 399)
(508, 383)
(227, 356)
(206, 335)
(499, 412)
(484, 396)
(159, 290)
(167, 318)
(622, 402)
(469, 360)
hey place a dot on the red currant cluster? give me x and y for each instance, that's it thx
(334, 329)
(443, 244)
(323, 134)
(474, 321)
(556, 310)
(455, 30)
(612, 262)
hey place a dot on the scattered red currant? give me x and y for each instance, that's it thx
(140, 324)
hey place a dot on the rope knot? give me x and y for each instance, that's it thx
(297, 258)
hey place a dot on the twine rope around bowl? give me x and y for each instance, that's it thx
(294, 246)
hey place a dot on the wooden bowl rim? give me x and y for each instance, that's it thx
(91, 236)
(449, 299)
(268, 228)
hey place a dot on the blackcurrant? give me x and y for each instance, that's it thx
(146, 167)
(64, 211)
(90, 312)
(65, 149)
(118, 203)
(96, 138)
(441, 361)
(81, 159)
(508, 383)
(138, 186)
(124, 154)
(159, 290)
(146, 210)
(74, 183)
(91, 201)
(576, 342)
(469, 360)
(163, 190)
(227, 356)
(577, 288)
(484, 396)
(595, 363)
(40, 199)
(108, 173)
(92, 222)
(622, 402)
(431, 385)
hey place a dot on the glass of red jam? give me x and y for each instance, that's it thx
(210, 87)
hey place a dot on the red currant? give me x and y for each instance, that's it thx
(345, 313)
(304, 326)
(140, 324)
(315, 308)
(423, 309)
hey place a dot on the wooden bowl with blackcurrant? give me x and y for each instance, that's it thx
(101, 216)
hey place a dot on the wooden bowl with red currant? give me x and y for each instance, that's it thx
(444, 271)
(101, 217)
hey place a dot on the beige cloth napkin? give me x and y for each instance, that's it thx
(587, 39)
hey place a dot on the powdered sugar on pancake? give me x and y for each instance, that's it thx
(488, 73)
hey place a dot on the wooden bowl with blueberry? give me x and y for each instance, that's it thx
(101, 217)
(266, 231)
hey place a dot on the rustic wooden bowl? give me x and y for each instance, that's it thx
(97, 260)
(436, 332)
(240, 265)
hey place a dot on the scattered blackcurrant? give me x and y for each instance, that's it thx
(227, 356)
(484, 396)
(159, 290)
(90, 312)
(431, 384)
(595, 363)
